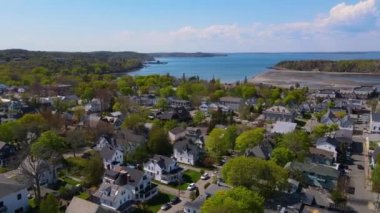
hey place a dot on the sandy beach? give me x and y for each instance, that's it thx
(315, 79)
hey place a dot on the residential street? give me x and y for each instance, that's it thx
(184, 195)
(362, 199)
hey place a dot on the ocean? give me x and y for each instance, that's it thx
(237, 66)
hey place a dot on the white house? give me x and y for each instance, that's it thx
(328, 144)
(110, 152)
(186, 151)
(123, 186)
(13, 196)
(47, 173)
(163, 169)
(176, 134)
(375, 123)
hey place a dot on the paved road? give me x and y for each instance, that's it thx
(184, 195)
(362, 199)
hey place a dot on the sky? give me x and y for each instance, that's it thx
(191, 25)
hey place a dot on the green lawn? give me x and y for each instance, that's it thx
(84, 195)
(157, 201)
(70, 181)
(189, 176)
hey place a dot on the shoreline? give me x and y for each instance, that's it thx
(315, 79)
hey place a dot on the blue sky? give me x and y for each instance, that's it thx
(191, 25)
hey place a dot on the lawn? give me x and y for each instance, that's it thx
(84, 195)
(157, 201)
(189, 176)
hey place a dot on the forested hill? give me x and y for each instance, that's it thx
(353, 66)
(91, 62)
(184, 55)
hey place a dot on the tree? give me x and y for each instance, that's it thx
(249, 139)
(33, 168)
(217, 144)
(282, 155)
(236, 200)
(133, 121)
(75, 139)
(256, 174)
(94, 169)
(158, 142)
(49, 205)
(297, 142)
(162, 104)
(321, 129)
(48, 146)
(198, 117)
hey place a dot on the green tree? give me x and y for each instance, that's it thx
(235, 200)
(321, 129)
(94, 170)
(49, 205)
(198, 117)
(167, 91)
(162, 104)
(158, 142)
(249, 139)
(48, 146)
(282, 155)
(256, 174)
(220, 141)
(133, 121)
(297, 142)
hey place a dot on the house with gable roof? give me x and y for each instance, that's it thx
(163, 169)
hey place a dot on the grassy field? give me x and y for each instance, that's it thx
(189, 176)
(84, 195)
(157, 201)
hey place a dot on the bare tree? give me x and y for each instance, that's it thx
(33, 170)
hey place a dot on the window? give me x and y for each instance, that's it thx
(19, 197)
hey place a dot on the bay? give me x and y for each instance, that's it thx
(235, 67)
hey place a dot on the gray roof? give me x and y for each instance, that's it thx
(78, 205)
(313, 168)
(263, 151)
(376, 117)
(177, 130)
(321, 152)
(328, 140)
(282, 127)
(9, 186)
(186, 145)
(163, 161)
(107, 152)
(230, 99)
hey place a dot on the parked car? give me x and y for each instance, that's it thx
(191, 186)
(174, 200)
(205, 176)
(166, 206)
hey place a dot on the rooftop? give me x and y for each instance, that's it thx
(283, 127)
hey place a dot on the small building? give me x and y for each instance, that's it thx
(374, 124)
(325, 93)
(283, 127)
(321, 156)
(163, 169)
(128, 141)
(186, 151)
(279, 113)
(13, 196)
(234, 103)
(344, 123)
(176, 134)
(316, 175)
(328, 144)
(175, 103)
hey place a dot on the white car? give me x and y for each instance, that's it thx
(205, 176)
(191, 186)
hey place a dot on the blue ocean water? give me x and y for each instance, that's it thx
(235, 67)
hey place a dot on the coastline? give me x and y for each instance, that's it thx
(315, 79)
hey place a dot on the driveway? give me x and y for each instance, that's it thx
(362, 199)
